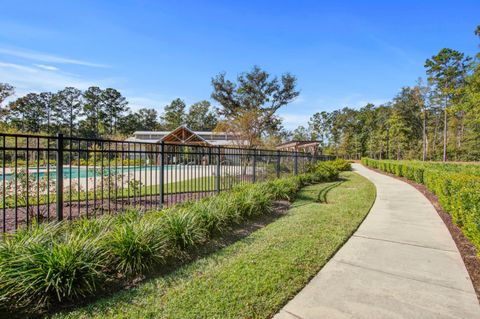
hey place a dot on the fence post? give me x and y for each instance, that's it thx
(254, 166)
(59, 176)
(217, 177)
(295, 164)
(278, 164)
(162, 177)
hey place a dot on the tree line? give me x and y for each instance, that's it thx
(247, 108)
(436, 120)
(95, 113)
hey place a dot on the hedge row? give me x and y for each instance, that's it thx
(53, 263)
(457, 187)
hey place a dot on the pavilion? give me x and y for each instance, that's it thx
(311, 147)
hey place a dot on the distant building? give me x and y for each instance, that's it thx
(182, 135)
(311, 147)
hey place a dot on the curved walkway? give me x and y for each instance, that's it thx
(400, 263)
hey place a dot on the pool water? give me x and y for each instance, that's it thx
(83, 172)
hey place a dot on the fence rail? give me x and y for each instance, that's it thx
(47, 178)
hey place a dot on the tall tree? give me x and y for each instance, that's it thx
(200, 117)
(382, 131)
(477, 33)
(68, 108)
(174, 114)
(93, 111)
(420, 94)
(301, 134)
(114, 107)
(447, 71)
(142, 120)
(251, 103)
(399, 132)
(6, 90)
(45, 101)
(319, 127)
(470, 104)
(148, 119)
(28, 113)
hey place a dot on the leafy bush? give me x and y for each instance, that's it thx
(456, 186)
(183, 229)
(341, 165)
(253, 201)
(210, 217)
(283, 188)
(51, 263)
(46, 267)
(324, 172)
(135, 245)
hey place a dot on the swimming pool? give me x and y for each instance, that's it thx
(83, 172)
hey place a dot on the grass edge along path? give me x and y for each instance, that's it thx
(256, 276)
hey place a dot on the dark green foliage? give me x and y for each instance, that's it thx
(249, 104)
(52, 263)
(340, 165)
(135, 245)
(174, 114)
(456, 186)
(49, 267)
(200, 117)
(324, 172)
(284, 189)
(182, 228)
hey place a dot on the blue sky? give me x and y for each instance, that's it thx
(344, 53)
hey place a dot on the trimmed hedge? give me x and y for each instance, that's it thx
(457, 187)
(52, 263)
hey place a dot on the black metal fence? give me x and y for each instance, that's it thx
(46, 178)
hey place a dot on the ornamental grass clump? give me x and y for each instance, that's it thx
(135, 245)
(212, 219)
(49, 267)
(283, 189)
(183, 229)
(253, 201)
(226, 205)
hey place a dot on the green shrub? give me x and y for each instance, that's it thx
(183, 229)
(45, 268)
(253, 201)
(340, 165)
(135, 245)
(212, 219)
(324, 172)
(283, 188)
(226, 205)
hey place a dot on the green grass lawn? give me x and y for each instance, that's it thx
(257, 275)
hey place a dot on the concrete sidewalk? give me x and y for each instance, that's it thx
(401, 263)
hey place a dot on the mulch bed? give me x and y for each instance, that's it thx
(467, 250)
(93, 208)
